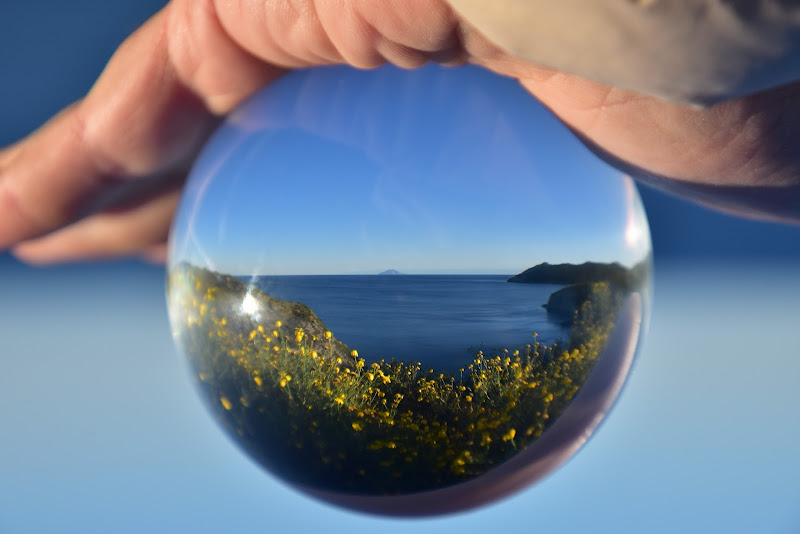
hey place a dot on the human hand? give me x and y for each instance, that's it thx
(120, 154)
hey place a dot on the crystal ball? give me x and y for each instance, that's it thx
(406, 292)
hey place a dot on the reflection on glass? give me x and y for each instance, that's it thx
(406, 292)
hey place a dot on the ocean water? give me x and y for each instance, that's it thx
(439, 320)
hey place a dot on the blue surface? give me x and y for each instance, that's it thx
(101, 431)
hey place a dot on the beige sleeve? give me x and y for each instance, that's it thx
(695, 51)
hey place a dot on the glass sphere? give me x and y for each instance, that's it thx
(406, 292)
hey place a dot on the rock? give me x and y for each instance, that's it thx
(567, 273)
(562, 304)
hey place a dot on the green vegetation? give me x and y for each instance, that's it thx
(312, 410)
(588, 272)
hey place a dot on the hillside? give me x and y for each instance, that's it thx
(568, 273)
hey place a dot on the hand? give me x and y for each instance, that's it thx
(102, 178)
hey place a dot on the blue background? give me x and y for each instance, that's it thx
(100, 431)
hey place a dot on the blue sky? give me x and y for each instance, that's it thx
(339, 171)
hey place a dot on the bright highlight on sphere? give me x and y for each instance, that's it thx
(406, 292)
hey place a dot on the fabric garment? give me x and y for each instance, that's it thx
(692, 51)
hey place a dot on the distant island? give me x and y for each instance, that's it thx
(390, 272)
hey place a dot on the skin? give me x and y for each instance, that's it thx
(102, 178)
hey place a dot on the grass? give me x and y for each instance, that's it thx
(312, 410)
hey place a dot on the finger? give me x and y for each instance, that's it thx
(733, 148)
(739, 156)
(139, 229)
(139, 119)
(707, 145)
(151, 107)
(155, 254)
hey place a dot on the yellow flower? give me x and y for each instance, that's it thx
(327, 334)
(370, 376)
(508, 436)
(357, 426)
(354, 353)
(225, 403)
(261, 329)
(299, 334)
(275, 333)
(278, 324)
(257, 380)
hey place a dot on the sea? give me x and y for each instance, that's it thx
(439, 320)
